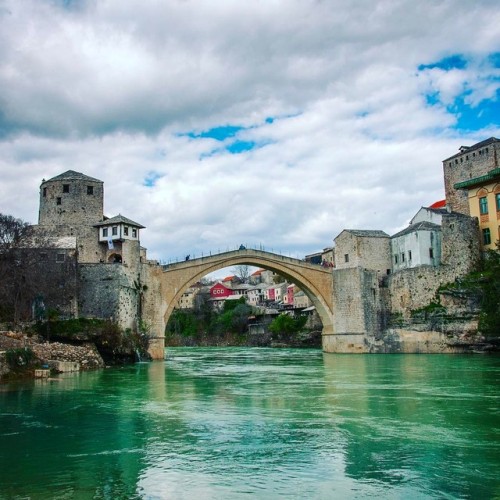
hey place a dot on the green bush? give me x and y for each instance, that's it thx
(286, 324)
(20, 358)
(489, 321)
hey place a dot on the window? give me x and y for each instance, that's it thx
(483, 205)
(402, 256)
(431, 253)
(497, 196)
(65, 188)
(90, 190)
(466, 157)
(60, 257)
(58, 201)
(486, 236)
(125, 231)
(104, 231)
(395, 259)
(409, 254)
(114, 230)
(44, 192)
(346, 257)
(134, 233)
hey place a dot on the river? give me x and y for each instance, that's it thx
(213, 423)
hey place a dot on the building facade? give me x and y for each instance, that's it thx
(483, 196)
(363, 248)
(470, 162)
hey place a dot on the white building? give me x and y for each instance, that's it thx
(417, 245)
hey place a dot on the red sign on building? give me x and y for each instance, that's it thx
(219, 291)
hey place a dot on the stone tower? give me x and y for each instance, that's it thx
(71, 199)
(469, 162)
(71, 204)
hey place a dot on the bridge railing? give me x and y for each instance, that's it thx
(219, 253)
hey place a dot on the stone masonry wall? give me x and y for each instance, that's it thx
(415, 288)
(356, 299)
(76, 206)
(88, 247)
(372, 253)
(107, 291)
(461, 242)
(154, 307)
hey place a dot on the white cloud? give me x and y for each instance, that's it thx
(107, 88)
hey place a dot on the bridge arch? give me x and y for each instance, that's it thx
(316, 281)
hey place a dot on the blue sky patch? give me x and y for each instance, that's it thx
(494, 59)
(151, 179)
(240, 146)
(218, 133)
(485, 114)
(452, 62)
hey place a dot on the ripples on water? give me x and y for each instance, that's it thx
(260, 423)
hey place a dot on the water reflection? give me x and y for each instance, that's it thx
(229, 423)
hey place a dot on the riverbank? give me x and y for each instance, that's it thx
(21, 355)
(305, 339)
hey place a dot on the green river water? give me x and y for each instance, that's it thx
(212, 423)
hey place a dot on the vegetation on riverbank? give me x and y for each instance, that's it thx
(231, 327)
(471, 298)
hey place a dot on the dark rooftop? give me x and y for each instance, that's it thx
(419, 226)
(72, 175)
(464, 149)
(119, 219)
(365, 233)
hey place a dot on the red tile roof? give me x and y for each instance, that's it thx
(438, 204)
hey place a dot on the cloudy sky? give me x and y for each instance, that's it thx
(272, 123)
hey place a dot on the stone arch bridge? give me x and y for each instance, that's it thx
(316, 281)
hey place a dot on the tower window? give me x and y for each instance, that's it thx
(58, 201)
(114, 230)
(497, 196)
(409, 254)
(65, 188)
(125, 231)
(104, 231)
(44, 192)
(402, 256)
(90, 190)
(346, 257)
(395, 258)
(431, 253)
(486, 236)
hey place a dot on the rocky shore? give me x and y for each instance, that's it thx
(82, 357)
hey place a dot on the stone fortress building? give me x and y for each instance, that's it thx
(375, 277)
(107, 252)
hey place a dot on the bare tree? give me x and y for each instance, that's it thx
(34, 272)
(242, 272)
